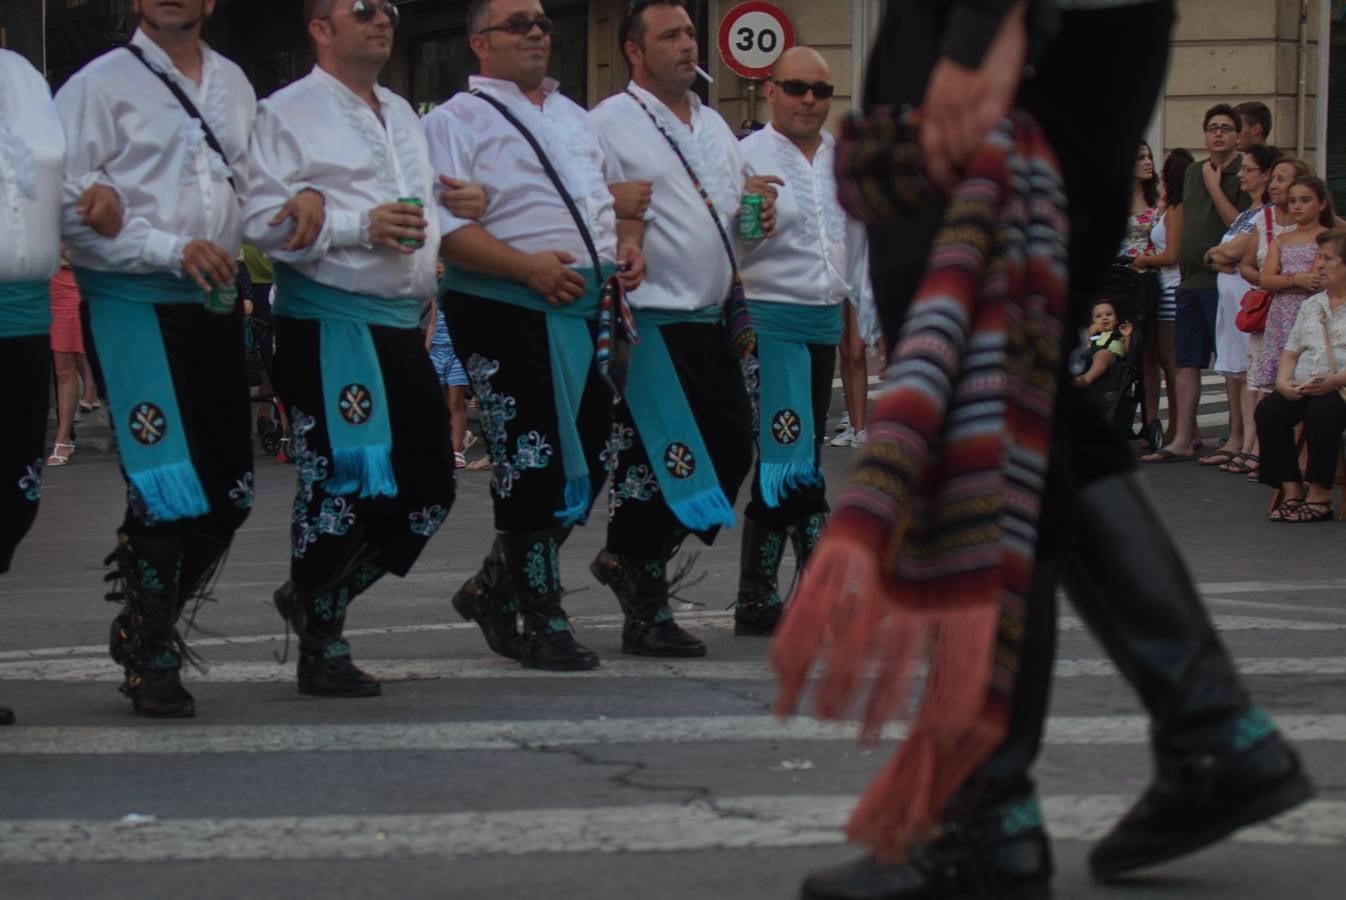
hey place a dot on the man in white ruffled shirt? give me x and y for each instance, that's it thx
(32, 149)
(682, 438)
(165, 122)
(797, 284)
(341, 180)
(525, 291)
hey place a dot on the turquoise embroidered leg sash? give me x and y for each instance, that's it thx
(668, 429)
(785, 427)
(142, 403)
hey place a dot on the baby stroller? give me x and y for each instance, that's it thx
(272, 430)
(1135, 296)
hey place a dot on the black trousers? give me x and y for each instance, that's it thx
(1324, 420)
(806, 501)
(206, 361)
(640, 524)
(1096, 150)
(504, 348)
(25, 365)
(331, 533)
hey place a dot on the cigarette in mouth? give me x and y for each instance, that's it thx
(704, 74)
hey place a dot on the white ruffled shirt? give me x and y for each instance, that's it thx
(32, 150)
(125, 128)
(317, 133)
(472, 141)
(688, 268)
(818, 254)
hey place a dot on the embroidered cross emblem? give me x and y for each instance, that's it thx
(148, 425)
(355, 404)
(679, 460)
(786, 427)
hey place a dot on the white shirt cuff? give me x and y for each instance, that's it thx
(349, 229)
(163, 250)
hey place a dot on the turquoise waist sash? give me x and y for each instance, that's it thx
(785, 426)
(25, 309)
(355, 399)
(142, 403)
(571, 351)
(667, 428)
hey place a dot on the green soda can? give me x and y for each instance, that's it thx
(411, 242)
(750, 218)
(221, 300)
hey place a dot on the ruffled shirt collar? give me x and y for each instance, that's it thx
(814, 184)
(394, 159)
(210, 99)
(700, 145)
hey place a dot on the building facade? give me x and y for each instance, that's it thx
(1277, 51)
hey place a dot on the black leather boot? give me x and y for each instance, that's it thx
(642, 590)
(759, 606)
(805, 535)
(1220, 763)
(143, 637)
(532, 560)
(318, 617)
(486, 599)
(1000, 853)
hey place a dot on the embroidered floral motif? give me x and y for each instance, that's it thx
(772, 550)
(30, 485)
(311, 467)
(242, 491)
(426, 522)
(639, 484)
(621, 438)
(752, 380)
(542, 567)
(148, 576)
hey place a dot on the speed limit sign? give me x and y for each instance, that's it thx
(753, 35)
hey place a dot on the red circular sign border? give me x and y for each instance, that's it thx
(770, 9)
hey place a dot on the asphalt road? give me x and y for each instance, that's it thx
(473, 778)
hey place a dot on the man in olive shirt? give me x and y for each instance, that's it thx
(1210, 201)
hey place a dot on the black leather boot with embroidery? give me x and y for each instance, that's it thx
(532, 560)
(318, 617)
(1001, 853)
(143, 637)
(759, 606)
(486, 599)
(642, 588)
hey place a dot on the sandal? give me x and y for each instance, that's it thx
(480, 464)
(1220, 457)
(1304, 511)
(90, 406)
(56, 459)
(1241, 464)
(459, 460)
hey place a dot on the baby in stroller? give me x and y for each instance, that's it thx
(1109, 343)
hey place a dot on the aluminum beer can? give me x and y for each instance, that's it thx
(411, 242)
(222, 299)
(750, 218)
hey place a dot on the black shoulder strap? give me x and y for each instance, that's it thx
(551, 173)
(187, 104)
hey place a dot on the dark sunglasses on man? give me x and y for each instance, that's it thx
(521, 24)
(793, 87)
(364, 11)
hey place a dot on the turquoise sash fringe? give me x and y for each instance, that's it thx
(354, 398)
(785, 428)
(667, 427)
(142, 403)
(25, 309)
(571, 349)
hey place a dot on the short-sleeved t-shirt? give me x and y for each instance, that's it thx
(1202, 227)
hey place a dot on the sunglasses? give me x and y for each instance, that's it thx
(364, 11)
(521, 24)
(796, 88)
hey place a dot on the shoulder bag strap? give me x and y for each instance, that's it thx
(187, 104)
(696, 180)
(552, 174)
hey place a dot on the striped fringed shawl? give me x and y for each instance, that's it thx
(947, 491)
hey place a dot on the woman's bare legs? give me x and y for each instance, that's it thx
(854, 372)
(67, 396)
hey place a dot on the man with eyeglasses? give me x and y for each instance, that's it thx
(797, 284)
(341, 173)
(1211, 199)
(525, 291)
(682, 437)
(165, 122)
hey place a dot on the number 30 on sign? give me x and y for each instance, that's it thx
(753, 35)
